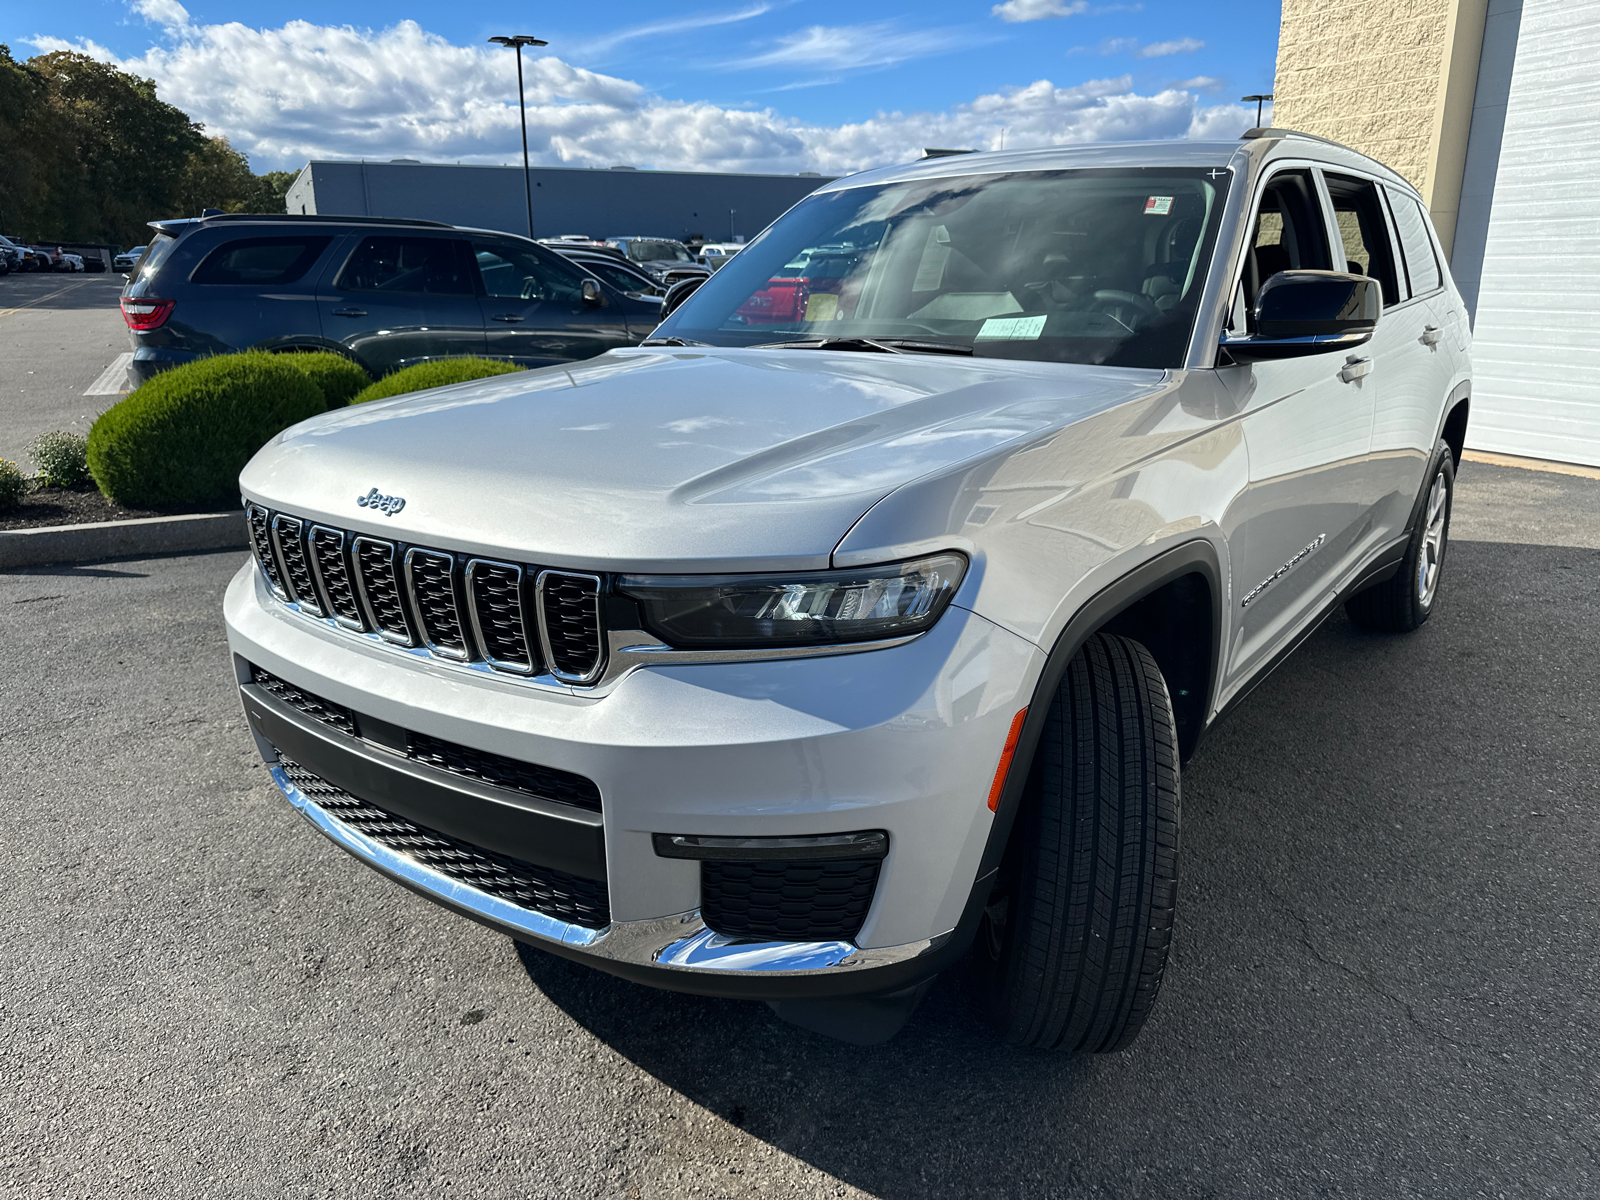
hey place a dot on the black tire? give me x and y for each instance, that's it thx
(1403, 602)
(1074, 941)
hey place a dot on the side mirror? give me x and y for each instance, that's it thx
(679, 292)
(1309, 312)
(592, 295)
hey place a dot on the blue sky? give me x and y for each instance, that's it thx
(749, 84)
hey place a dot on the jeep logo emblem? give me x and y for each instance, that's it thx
(387, 505)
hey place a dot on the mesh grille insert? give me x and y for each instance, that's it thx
(327, 556)
(548, 783)
(571, 615)
(814, 901)
(292, 553)
(326, 711)
(261, 546)
(375, 564)
(433, 588)
(496, 597)
(539, 889)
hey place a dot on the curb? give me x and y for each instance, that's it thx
(147, 536)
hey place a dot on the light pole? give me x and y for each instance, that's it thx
(1260, 100)
(517, 42)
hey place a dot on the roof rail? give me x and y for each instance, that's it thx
(330, 218)
(1267, 131)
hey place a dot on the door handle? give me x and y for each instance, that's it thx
(1355, 368)
(508, 318)
(1431, 335)
(349, 312)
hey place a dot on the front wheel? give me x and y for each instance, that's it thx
(1074, 940)
(1404, 601)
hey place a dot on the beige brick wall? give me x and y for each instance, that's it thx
(1390, 78)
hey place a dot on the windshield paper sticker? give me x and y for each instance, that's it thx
(1012, 329)
(1158, 206)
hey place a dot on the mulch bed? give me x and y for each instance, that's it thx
(85, 505)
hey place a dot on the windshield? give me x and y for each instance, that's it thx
(1092, 266)
(643, 250)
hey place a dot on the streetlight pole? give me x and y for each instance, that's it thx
(518, 41)
(1260, 100)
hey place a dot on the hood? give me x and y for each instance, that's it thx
(650, 460)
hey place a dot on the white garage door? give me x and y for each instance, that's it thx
(1536, 345)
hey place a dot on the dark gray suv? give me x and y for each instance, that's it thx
(387, 293)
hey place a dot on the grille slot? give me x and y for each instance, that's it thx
(815, 901)
(326, 548)
(326, 711)
(569, 614)
(494, 596)
(261, 546)
(380, 590)
(288, 535)
(430, 576)
(540, 889)
(547, 783)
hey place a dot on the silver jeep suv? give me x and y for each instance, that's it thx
(861, 618)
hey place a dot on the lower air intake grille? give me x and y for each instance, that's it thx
(315, 707)
(539, 889)
(571, 615)
(547, 783)
(816, 901)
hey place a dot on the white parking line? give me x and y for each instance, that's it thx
(113, 380)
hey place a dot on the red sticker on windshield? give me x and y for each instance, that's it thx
(1158, 206)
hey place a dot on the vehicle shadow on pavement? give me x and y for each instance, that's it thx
(1389, 867)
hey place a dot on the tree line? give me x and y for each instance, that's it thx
(89, 153)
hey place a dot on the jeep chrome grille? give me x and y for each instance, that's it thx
(509, 617)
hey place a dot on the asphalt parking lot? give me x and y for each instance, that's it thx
(59, 333)
(1384, 982)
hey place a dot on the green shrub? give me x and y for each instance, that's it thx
(184, 437)
(13, 485)
(62, 458)
(336, 376)
(434, 374)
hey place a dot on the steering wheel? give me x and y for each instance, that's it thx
(530, 289)
(1110, 299)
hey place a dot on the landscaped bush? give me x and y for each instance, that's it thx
(338, 378)
(13, 485)
(184, 437)
(434, 374)
(61, 458)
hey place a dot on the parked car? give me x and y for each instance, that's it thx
(10, 258)
(572, 241)
(388, 293)
(618, 272)
(863, 615)
(30, 259)
(94, 263)
(128, 259)
(666, 259)
(714, 254)
(65, 261)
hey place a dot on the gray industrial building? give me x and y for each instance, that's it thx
(566, 200)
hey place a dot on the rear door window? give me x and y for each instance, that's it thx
(1364, 229)
(408, 265)
(1411, 223)
(260, 261)
(160, 248)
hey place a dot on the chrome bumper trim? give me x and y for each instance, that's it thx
(676, 943)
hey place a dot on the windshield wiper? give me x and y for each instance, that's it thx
(671, 341)
(879, 345)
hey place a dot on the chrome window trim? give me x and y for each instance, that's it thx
(598, 671)
(386, 635)
(313, 603)
(465, 653)
(530, 636)
(331, 613)
(680, 942)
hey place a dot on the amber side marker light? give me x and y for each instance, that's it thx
(1006, 756)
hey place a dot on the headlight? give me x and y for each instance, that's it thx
(757, 611)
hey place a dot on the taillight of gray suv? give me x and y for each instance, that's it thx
(861, 619)
(387, 293)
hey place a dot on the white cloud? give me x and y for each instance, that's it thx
(312, 91)
(1038, 10)
(167, 13)
(608, 42)
(1222, 122)
(854, 47)
(1183, 45)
